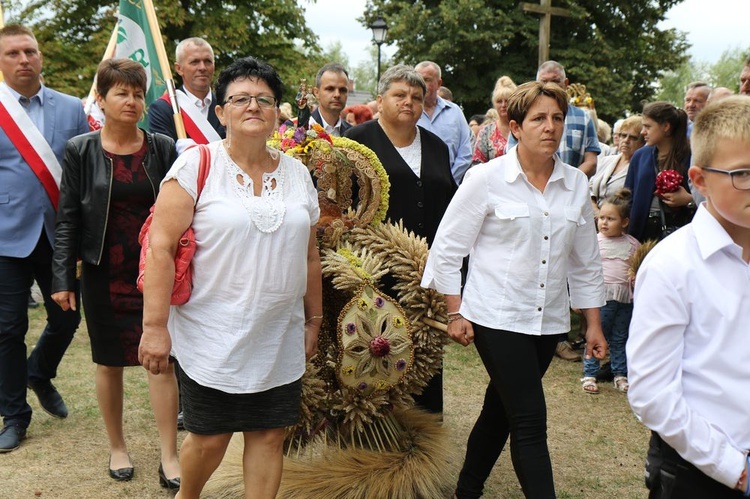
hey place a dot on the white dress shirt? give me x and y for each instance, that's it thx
(527, 248)
(332, 130)
(689, 347)
(203, 104)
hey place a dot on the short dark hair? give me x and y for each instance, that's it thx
(245, 68)
(524, 96)
(333, 67)
(479, 118)
(125, 72)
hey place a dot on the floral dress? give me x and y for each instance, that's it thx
(113, 304)
(490, 143)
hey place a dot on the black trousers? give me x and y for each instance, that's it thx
(16, 277)
(514, 406)
(669, 476)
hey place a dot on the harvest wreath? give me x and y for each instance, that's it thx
(380, 342)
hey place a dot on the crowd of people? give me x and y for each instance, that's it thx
(526, 215)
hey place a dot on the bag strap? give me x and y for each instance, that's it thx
(662, 216)
(203, 168)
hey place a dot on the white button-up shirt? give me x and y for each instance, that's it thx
(332, 130)
(689, 347)
(203, 104)
(527, 248)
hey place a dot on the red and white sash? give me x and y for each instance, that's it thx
(196, 125)
(30, 143)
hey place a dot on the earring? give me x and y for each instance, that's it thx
(228, 140)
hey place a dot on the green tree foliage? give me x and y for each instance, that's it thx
(672, 85)
(334, 52)
(725, 72)
(614, 47)
(73, 35)
(365, 73)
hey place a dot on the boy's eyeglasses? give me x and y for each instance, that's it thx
(740, 178)
(244, 100)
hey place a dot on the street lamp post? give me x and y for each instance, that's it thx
(379, 29)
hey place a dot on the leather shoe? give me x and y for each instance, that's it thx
(566, 352)
(168, 483)
(10, 438)
(180, 421)
(122, 474)
(49, 398)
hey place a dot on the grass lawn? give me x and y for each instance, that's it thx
(597, 445)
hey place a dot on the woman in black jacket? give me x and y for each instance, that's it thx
(110, 180)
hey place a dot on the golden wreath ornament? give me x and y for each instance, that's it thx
(358, 434)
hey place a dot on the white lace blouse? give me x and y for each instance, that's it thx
(243, 329)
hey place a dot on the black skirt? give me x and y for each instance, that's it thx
(207, 411)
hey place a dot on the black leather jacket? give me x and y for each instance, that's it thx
(85, 193)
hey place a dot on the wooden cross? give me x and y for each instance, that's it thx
(544, 7)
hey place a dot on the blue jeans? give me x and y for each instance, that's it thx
(16, 277)
(615, 324)
(514, 406)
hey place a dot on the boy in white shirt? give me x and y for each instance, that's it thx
(689, 346)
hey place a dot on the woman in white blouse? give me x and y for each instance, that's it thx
(527, 222)
(255, 309)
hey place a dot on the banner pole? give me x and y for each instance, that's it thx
(161, 52)
(109, 52)
(2, 25)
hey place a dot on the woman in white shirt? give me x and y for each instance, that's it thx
(527, 222)
(255, 309)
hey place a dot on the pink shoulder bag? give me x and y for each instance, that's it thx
(183, 272)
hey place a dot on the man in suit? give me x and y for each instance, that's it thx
(194, 62)
(331, 91)
(34, 115)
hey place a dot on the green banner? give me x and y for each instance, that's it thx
(134, 41)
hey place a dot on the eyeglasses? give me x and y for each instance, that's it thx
(740, 178)
(244, 100)
(625, 136)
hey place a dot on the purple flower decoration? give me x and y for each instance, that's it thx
(351, 328)
(362, 386)
(299, 135)
(379, 302)
(400, 365)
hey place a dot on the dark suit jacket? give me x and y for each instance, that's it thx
(160, 118)
(419, 201)
(319, 120)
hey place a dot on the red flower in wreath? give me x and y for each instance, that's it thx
(668, 181)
